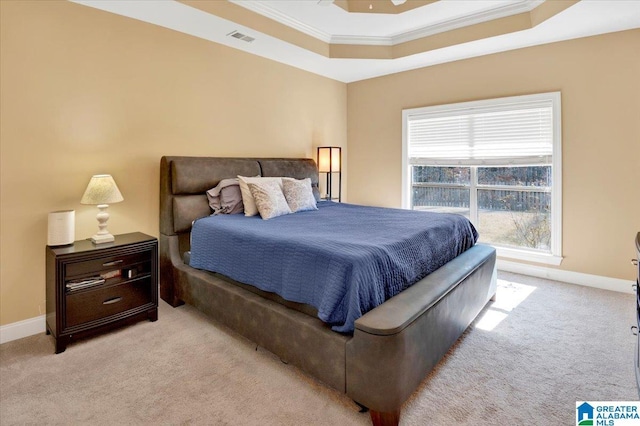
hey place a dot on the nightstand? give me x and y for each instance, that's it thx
(94, 288)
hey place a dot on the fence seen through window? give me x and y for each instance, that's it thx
(511, 206)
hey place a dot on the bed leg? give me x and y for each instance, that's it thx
(173, 301)
(385, 419)
(493, 298)
(361, 408)
(167, 293)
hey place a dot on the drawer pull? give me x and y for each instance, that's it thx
(634, 262)
(116, 300)
(634, 330)
(115, 262)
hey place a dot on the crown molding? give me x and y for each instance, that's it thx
(524, 6)
(421, 32)
(362, 40)
(271, 13)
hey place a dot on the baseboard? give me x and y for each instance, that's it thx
(29, 327)
(20, 329)
(588, 280)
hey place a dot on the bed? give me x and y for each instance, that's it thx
(392, 347)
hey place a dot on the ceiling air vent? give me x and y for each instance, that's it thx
(240, 36)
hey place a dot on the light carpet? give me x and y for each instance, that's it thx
(529, 357)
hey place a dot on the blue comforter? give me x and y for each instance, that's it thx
(343, 259)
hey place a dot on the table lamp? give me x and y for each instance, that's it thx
(102, 190)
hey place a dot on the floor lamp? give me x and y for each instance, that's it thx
(330, 163)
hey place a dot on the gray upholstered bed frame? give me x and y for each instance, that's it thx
(393, 347)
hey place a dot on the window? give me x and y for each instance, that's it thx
(497, 162)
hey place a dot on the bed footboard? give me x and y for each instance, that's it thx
(397, 344)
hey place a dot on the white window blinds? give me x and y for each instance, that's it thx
(498, 132)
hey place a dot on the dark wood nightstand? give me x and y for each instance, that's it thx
(93, 288)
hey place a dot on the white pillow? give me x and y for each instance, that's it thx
(299, 194)
(269, 199)
(250, 208)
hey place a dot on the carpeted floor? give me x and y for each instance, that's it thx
(538, 349)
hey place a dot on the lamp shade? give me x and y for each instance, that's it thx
(102, 189)
(329, 159)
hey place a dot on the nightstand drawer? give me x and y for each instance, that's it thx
(106, 263)
(100, 303)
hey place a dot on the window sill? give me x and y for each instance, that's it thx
(529, 256)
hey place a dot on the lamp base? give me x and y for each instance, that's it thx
(101, 239)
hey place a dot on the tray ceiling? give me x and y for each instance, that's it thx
(321, 36)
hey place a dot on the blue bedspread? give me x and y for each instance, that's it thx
(343, 259)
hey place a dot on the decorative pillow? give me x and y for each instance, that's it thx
(226, 197)
(299, 194)
(250, 208)
(269, 199)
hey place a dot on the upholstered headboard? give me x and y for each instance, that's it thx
(183, 185)
(185, 180)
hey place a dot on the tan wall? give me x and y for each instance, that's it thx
(85, 92)
(600, 85)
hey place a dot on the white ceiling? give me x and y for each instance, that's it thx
(332, 24)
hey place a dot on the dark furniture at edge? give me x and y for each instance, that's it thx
(394, 346)
(130, 294)
(636, 263)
